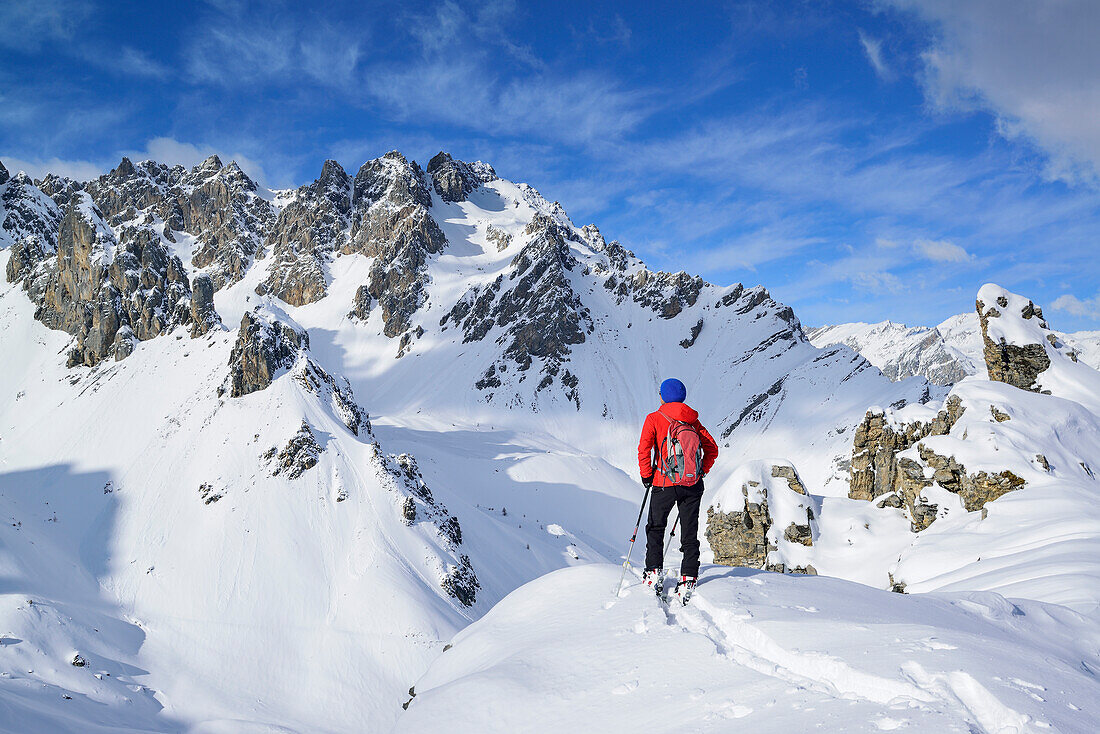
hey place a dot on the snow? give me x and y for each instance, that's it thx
(563, 654)
(309, 604)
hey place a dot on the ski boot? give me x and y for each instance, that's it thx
(654, 578)
(684, 588)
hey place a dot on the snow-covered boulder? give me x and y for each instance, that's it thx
(762, 517)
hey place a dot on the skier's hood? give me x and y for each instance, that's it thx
(679, 411)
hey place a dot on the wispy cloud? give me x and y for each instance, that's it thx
(873, 48)
(942, 251)
(28, 24)
(1033, 65)
(1071, 304)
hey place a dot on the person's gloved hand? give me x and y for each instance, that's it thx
(647, 482)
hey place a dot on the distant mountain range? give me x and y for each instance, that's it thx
(942, 354)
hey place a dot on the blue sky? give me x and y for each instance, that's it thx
(863, 160)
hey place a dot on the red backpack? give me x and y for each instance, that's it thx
(680, 460)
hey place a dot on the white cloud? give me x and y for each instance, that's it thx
(27, 24)
(876, 281)
(162, 150)
(171, 151)
(1073, 305)
(1032, 64)
(38, 168)
(942, 251)
(873, 48)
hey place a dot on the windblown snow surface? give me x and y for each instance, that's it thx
(312, 604)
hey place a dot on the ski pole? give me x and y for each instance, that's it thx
(673, 533)
(626, 563)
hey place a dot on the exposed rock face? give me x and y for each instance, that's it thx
(498, 237)
(875, 467)
(418, 505)
(306, 235)
(316, 380)
(109, 294)
(203, 316)
(454, 180)
(301, 453)
(4, 175)
(392, 224)
(264, 346)
(541, 315)
(28, 227)
(757, 529)
(877, 470)
(218, 204)
(1014, 364)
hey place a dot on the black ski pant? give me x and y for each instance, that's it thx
(661, 500)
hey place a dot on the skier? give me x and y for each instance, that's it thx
(675, 452)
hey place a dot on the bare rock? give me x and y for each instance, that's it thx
(300, 454)
(498, 237)
(454, 180)
(392, 224)
(203, 316)
(418, 505)
(265, 345)
(749, 530)
(307, 233)
(1014, 364)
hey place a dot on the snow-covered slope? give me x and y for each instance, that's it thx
(200, 510)
(943, 354)
(761, 652)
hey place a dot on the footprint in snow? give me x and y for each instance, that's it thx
(730, 710)
(887, 724)
(624, 688)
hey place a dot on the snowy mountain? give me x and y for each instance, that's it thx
(943, 354)
(208, 533)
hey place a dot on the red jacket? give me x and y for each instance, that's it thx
(654, 431)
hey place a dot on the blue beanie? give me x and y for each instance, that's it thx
(673, 391)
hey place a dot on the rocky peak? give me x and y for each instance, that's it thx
(29, 220)
(454, 179)
(4, 176)
(392, 224)
(109, 292)
(307, 233)
(1014, 334)
(541, 315)
(211, 165)
(59, 188)
(124, 169)
(592, 236)
(266, 346)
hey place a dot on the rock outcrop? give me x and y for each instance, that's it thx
(454, 180)
(879, 471)
(391, 223)
(307, 233)
(339, 398)
(418, 506)
(217, 204)
(540, 315)
(301, 453)
(29, 226)
(109, 293)
(1015, 364)
(203, 316)
(762, 518)
(265, 345)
